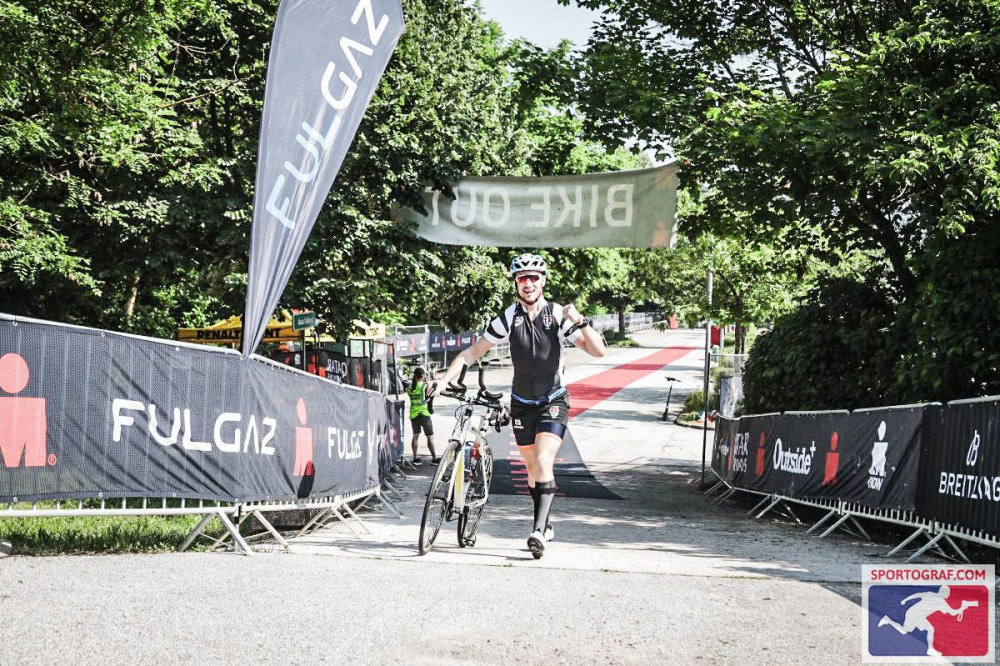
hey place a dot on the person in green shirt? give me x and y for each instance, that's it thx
(420, 414)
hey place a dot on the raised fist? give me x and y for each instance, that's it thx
(571, 313)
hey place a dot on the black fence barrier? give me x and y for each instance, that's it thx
(960, 469)
(89, 413)
(941, 461)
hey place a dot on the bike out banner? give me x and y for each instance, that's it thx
(325, 63)
(619, 209)
(87, 413)
(870, 457)
(960, 467)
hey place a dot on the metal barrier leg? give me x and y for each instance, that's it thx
(822, 520)
(195, 532)
(759, 504)
(347, 523)
(927, 546)
(788, 508)
(389, 504)
(392, 489)
(726, 495)
(961, 553)
(714, 488)
(860, 528)
(355, 517)
(239, 543)
(906, 541)
(270, 528)
(774, 503)
(840, 521)
(312, 521)
(397, 469)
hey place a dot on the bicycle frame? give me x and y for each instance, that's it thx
(462, 434)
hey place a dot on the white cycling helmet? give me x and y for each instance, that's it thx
(525, 263)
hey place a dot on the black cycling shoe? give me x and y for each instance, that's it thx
(536, 544)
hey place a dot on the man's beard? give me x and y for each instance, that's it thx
(538, 294)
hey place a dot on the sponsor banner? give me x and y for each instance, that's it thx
(960, 465)
(880, 458)
(410, 344)
(804, 453)
(87, 413)
(928, 613)
(869, 457)
(325, 63)
(338, 367)
(620, 209)
(726, 430)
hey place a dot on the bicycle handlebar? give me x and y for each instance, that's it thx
(483, 398)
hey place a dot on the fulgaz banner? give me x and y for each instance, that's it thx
(325, 62)
(88, 413)
(621, 209)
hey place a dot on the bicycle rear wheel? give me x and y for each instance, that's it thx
(438, 498)
(479, 490)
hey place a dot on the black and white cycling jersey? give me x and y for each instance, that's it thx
(535, 350)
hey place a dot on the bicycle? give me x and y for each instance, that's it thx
(460, 488)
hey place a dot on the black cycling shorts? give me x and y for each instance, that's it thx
(529, 420)
(422, 421)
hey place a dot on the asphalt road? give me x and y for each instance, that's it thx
(662, 576)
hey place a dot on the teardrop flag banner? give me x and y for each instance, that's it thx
(326, 60)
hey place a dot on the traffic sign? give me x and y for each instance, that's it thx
(303, 320)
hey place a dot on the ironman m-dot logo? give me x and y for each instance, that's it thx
(22, 419)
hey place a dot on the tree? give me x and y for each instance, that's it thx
(872, 121)
(837, 127)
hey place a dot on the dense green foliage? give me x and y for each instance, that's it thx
(128, 137)
(844, 149)
(861, 136)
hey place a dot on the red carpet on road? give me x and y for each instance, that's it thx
(588, 392)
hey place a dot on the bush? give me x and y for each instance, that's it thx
(834, 352)
(695, 401)
(951, 326)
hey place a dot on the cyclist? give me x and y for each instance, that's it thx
(535, 329)
(420, 415)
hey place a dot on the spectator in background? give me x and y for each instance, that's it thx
(420, 415)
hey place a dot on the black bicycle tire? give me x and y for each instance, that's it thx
(448, 459)
(469, 522)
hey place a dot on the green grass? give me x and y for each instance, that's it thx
(102, 534)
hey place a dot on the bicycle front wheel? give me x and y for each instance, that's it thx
(438, 498)
(479, 492)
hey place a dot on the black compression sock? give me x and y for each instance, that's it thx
(546, 493)
(533, 491)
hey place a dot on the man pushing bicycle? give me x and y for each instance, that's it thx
(535, 329)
